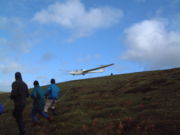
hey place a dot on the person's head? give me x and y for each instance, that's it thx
(53, 81)
(18, 76)
(36, 83)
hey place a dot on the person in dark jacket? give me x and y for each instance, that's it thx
(52, 93)
(38, 104)
(1, 109)
(19, 94)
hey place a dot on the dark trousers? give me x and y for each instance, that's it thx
(18, 115)
(36, 111)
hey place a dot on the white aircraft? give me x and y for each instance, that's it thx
(93, 70)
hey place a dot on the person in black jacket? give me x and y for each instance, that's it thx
(19, 94)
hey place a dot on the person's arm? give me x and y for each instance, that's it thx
(48, 91)
(27, 92)
(14, 91)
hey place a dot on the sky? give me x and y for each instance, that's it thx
(46, 39)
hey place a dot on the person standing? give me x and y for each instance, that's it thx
(52, 94)
(38, 103)
(19, 94)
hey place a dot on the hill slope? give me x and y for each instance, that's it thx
(146, 103)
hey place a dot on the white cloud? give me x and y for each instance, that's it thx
(152, 44)
(5, 85)
(73, 15)
(88, 58)
(13, 44)
(16, 38)
(7, 69)
(11, 67)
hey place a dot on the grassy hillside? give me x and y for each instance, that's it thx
(146, 103)
(1, 92)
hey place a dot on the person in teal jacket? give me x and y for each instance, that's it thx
(38, 103)
(52, 94)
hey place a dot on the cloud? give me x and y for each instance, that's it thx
(15, 38)
(8, 68)
(13, 43)
(74, 16)
(5, 86)
(48, 56)
(11, 67)
(152, 44)
(88, 58)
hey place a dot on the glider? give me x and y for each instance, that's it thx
(93, 70)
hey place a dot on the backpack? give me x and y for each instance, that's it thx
(1, 109)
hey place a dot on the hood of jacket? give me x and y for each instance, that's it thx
(18, 76)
